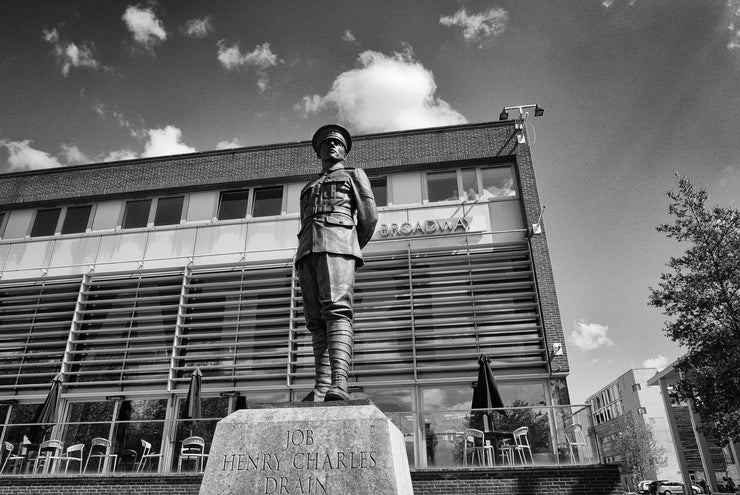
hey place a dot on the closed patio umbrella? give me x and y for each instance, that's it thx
(46, 414)
(486, 394)
(192, 409)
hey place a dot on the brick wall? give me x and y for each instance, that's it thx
(586, 480)
(392, 151)
(549, 306)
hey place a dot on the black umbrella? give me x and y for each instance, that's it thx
(486, 394)
(46, 414)
(192, 408)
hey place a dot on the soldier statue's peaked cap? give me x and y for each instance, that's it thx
(331, 131)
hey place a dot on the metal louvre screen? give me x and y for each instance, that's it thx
(235, 327)
(476, 301)
(35, 319)
(428, 314)
(420, 316)
(122, 340)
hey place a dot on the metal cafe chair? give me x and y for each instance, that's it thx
(16, 459)
(50, 452)
(146, 456)
(506, 452)
(128, 460)
(192, 449)
(474, 442)
(69, 455)
(574, 437)
(521, 444)
(100, 451)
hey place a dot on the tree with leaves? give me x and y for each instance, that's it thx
(701, 296)
(638, 451)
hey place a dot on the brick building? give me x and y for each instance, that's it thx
(124, 277)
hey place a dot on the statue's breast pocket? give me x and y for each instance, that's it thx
(336, 190)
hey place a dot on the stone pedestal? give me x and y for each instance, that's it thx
(334, 448)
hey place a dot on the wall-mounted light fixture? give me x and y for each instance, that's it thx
(537, 226)
(522, 119)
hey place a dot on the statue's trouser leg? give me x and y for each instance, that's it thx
(336, 309)
(316, 326)
(327, 284)
(336, 275)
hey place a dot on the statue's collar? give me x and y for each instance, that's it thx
(334, 168)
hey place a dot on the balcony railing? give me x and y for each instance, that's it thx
(503, 438)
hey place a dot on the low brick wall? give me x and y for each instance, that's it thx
(101, 485)
(587, 480)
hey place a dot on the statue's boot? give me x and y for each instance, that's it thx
(322, 367)
(340, 335)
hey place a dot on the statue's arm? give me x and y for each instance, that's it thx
(367, 213)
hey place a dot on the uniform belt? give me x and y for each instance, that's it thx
(336, 211)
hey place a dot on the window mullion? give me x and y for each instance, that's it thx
(74, 327)
(177, 338)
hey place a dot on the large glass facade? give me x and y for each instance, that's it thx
(422, 316)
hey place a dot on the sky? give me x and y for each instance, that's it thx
(634, 91)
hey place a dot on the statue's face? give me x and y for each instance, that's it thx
(332, 150)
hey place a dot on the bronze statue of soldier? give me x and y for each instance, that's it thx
(338, 217)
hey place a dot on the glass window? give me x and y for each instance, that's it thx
(169, 211)
(470, 184)
(88, 420)
(268, 201)
(498, 182)
(442, 186)
(76, 219)
(45, 222)
(136, 214)
(380, 190)
(233, 205)
(138, 420)
(18, 431)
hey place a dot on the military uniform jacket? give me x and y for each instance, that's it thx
(338, 214)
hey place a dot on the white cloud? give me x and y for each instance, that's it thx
(166, 141)
(227, 145)
(309, 104)
(51, 36)
(258, 59)
(348, 36)
(134, 130)
(734, 7)
(70, 55)
(589, 336)
(385, 93)
(23, 157)
(232, 58)
(73, 154)
(659, 362)
(478, 28)
(197, 28)
(608, 3)
(147, 29)
(122, 154)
